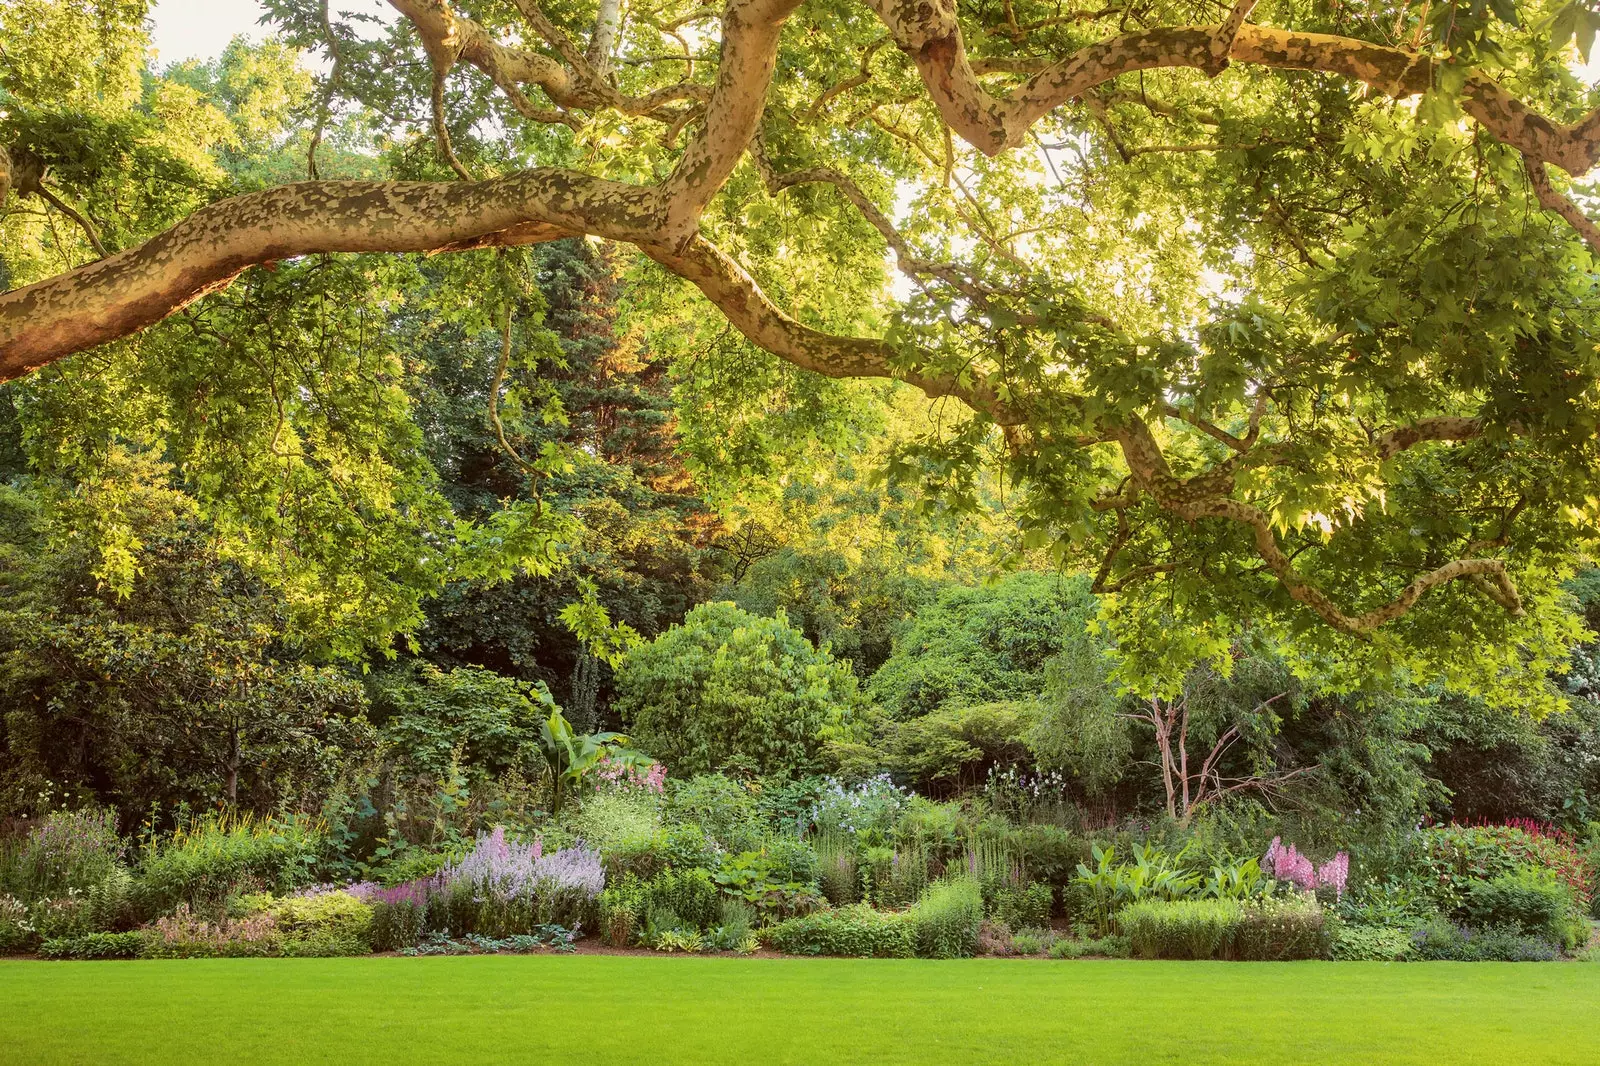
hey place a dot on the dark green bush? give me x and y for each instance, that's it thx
(94, 946)
(1443, 941)
(1049, 853)
(857, 931)
(729, 689)
(1022, 906)
(946, 920)
(1531, 902)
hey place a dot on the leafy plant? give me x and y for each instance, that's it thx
(570, 756)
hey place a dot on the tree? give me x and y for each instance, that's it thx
(1213, 730)
(186, 687)
(1287, 320)
(731, 690)
(976, 645)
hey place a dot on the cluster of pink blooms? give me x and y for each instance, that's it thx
(620, 776)
(1287, 864)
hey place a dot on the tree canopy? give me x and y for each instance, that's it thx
(1278, 313)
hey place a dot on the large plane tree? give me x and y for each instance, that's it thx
(1282, 313)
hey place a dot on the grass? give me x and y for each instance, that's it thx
(609, 1009)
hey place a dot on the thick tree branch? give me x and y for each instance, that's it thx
(1199, 498)
(930, 35)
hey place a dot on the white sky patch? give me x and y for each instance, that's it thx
(201, 29)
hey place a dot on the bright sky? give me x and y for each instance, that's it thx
(201, 29)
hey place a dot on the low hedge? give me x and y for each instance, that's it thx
(94, 946)
(857, 931)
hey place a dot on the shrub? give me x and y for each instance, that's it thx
(1110, 947)
(1049, 853)
(16, 929)
(1443, 941)
(1442, 862)
(690, 894)
(94, 946)
(946, 920)
(857, 931)
(1021, 906)
(1369, 943)
(1281, 928)
(1531, 902)
(724, 808)
(727, 688)
(202, 863)
(955, 746)
(327, 918)
(1180, 929)
(982, 644)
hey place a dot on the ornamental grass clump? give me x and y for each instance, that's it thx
(1180, 929)
(946, 921)
(1270, 929)
(210, 858)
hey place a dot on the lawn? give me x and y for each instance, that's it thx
(600, 1009)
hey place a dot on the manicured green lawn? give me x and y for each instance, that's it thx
(598, 1009)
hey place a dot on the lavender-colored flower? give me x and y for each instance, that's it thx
(414, 892)
(509, 870)
(576, 869)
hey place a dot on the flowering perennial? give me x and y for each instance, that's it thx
(509, 870)
(618, 775)
(1287, 864)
